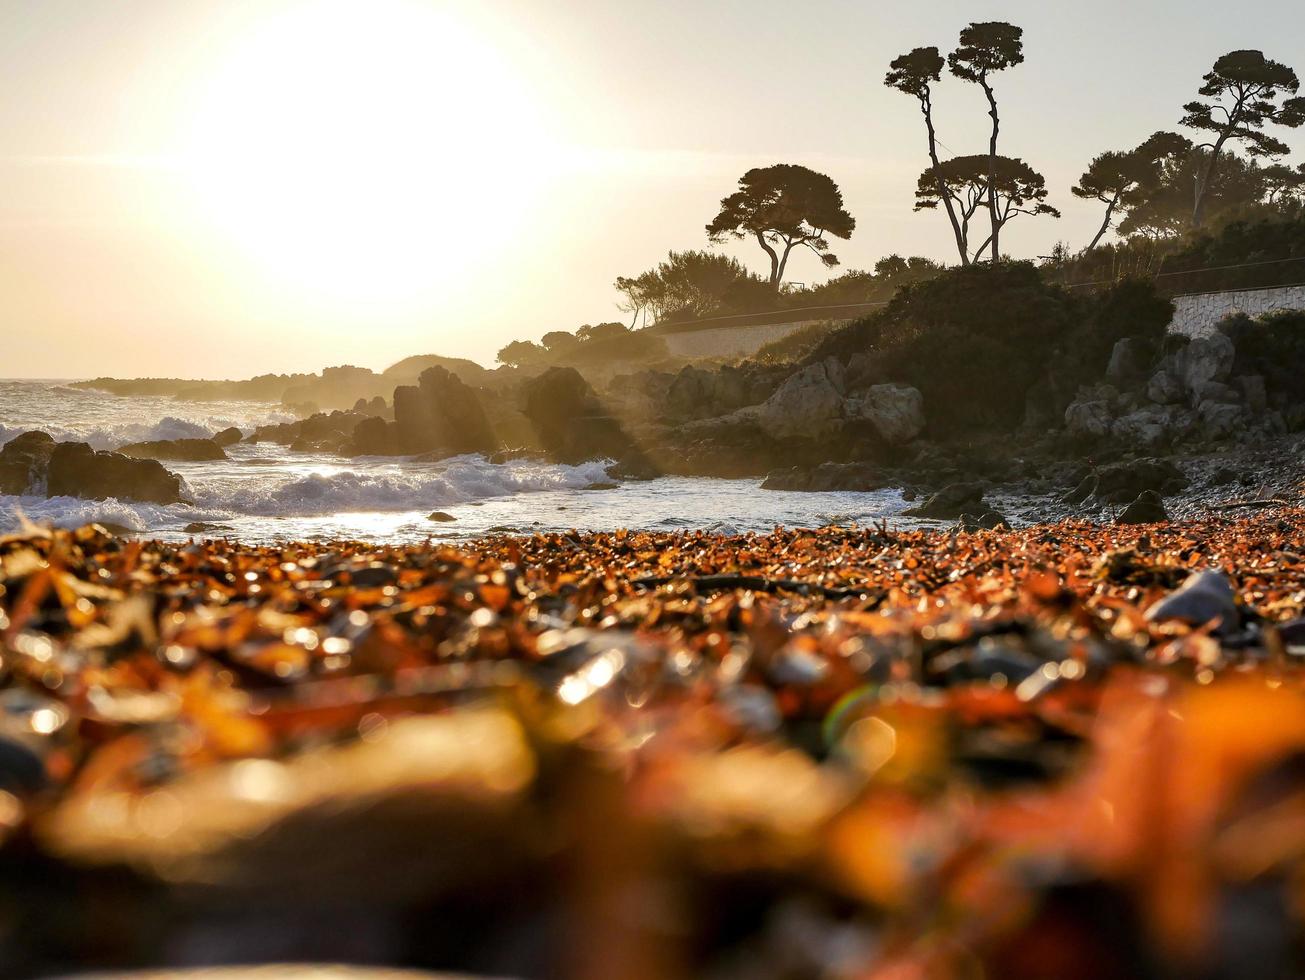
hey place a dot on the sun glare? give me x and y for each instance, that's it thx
(357, 150)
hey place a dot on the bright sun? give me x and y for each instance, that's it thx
(356, 149)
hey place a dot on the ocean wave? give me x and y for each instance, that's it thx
(120, 434)
(408, 487)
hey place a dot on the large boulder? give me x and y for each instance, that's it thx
(569, 420)
(77, 470)
(1089, 418)
(441, 413)
(374, 436)
(23, 462)
(896, 411)
(1146, 427)
(1207, 359)
(808, 405)
(188, 450)
(1165, 387)
(952, 501)
(1128, 361)
(228, 437)
(1123, 482)
(826, 476)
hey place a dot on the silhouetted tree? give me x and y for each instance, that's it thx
(521, 352)
(601, 331)
(1019, 189)
(640, 293)
(1282, 183)
(914, 74)
(1245, 87)
(557, 340)
(784, 206)
(1116, 177)
(1164, 210)
(986, 48)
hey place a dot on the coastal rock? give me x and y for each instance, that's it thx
(986, 520)
(1089, 419)
(896, 411)
(568, 419)
(952, 501)
(1122, 482)
(1253, 392)
(374, 436)
(1145, 427)
(441, 413)
(23, 462)
(808, 405)
(1127, 361)
(228, 437)
(76, 470)
(440, 516)
(696, 393)
(1207, 359)
(1204, 597)
(825, 477)
(1220, 420)
(1148, 508)
(1165, 388)
(187, 450)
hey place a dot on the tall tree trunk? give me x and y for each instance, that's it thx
(1105, 225)
(962, 247)
(783, 264)
(774, 259)
(992, 168)
(1203, 184)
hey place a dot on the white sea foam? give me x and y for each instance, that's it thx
(391, 487)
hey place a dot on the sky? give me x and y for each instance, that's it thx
(223, 188)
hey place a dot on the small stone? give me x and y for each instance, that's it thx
(440, 515)
(1148, 508)
(602, 485)
(1203, 597)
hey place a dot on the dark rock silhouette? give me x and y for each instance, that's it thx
(569, 420)
(443, 414)
(23, 462)
(77, 470)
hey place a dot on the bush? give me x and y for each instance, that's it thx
(1272, 346)
(976, 340)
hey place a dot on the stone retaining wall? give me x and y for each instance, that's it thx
(1197, 314)
(737, 341)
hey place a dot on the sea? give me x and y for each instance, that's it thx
(266, 493)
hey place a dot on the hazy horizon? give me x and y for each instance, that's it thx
(235, 188)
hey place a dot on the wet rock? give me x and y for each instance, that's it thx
(440, 516)
(569, 420)
(986, 520)
(441, 413)
(808, 405)
(825, 477)
(23, 462)
(204, 527)
(1085, 488)
(1148, 508)
(951, 502)
(896, 411)
(374, 436)
(228, 437)
(186, 450)
(1118, 483)
(76, 470)
(1204, 597)
(603, 485)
